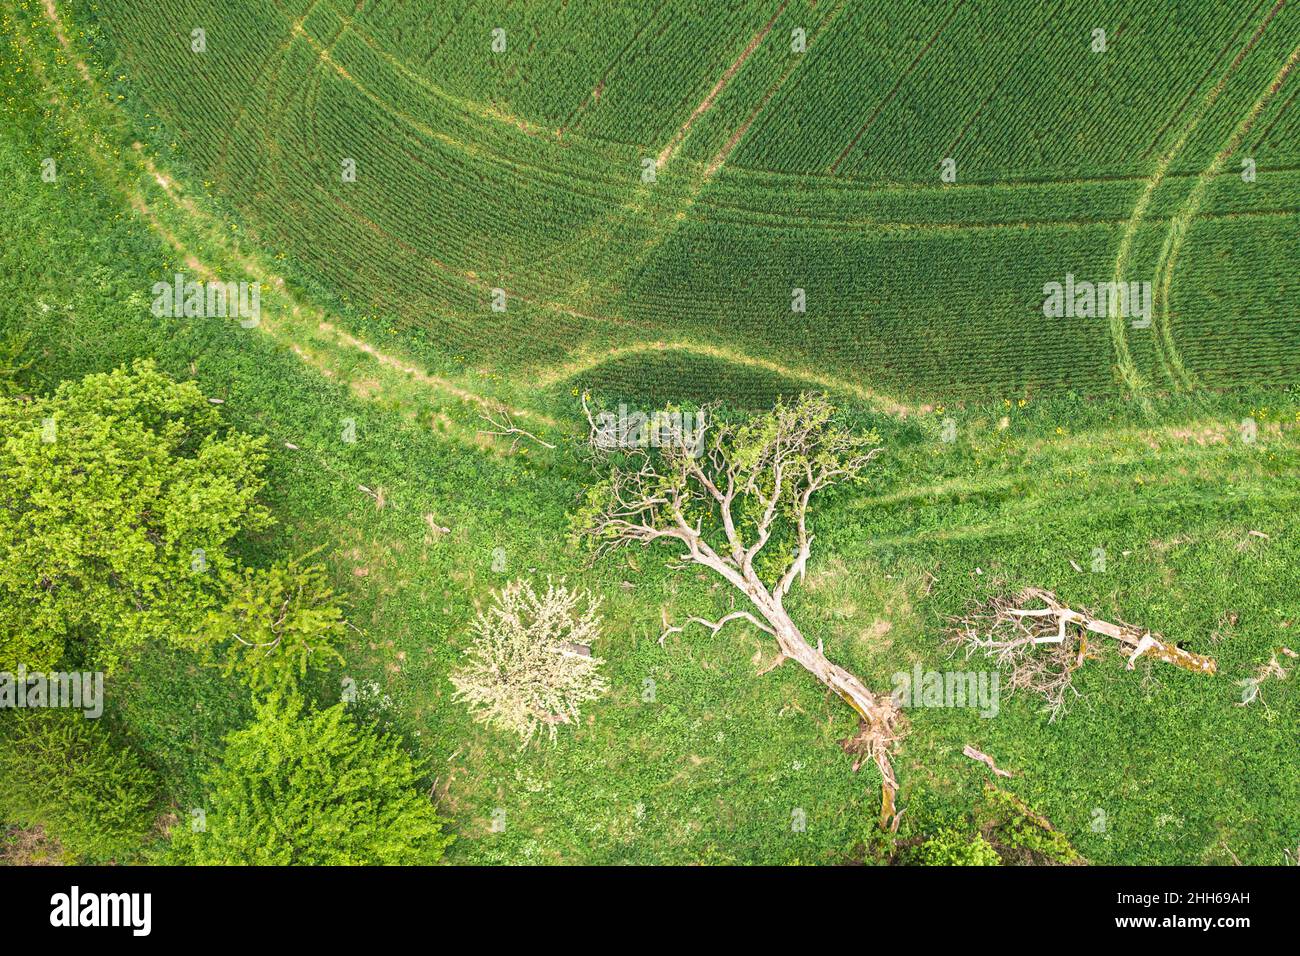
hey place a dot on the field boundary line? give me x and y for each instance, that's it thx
(134, 197)
(584, 362)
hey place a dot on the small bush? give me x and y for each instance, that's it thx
(276, 625)
(951, 847)
(525, 669)
(1023, 834)
(312, 789)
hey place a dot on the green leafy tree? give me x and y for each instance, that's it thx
(68, 775)
(120, 495)
(313, 789)
(276, 624)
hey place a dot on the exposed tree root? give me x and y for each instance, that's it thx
(1010, 631)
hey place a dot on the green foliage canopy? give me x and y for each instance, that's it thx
(121, 495)
(276, 624)
(66, 774)
(313, 788)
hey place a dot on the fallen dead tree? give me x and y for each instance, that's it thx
(735, 497)
(1011, 630)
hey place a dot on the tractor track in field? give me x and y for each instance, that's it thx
(1191, 93)
(270, 68)
(474, 281)
(898, 225)
(579, 362)
(1034, 37)
(703, 172)
(733, 141)
(1129, 374)
(668, 221)
(1182, 222)
(1277, 119)
(487, 113)
(136, 198)
(666, 154)
(598, 90)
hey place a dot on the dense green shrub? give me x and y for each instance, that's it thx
(277, 623)
(66, 774)
(1006, 831)
(951, 847)
(1023, 834)
(312, 788)
(122, 492)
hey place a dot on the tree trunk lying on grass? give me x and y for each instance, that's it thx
(724, 492)
(1009, 631)
(879, 715)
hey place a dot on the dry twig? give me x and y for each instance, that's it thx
(505, 427)
(985, 759)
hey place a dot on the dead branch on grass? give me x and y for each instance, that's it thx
(985, 759)
(504, 427)
(1011, 630)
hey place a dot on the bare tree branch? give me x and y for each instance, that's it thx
(1010, 633)
(716, 626)
(505, 427)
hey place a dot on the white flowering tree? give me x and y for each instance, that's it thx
(529, 665)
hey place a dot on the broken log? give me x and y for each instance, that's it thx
(1143, 642)
(1010, 630)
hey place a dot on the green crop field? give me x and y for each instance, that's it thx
(522, 171)
(492, 211)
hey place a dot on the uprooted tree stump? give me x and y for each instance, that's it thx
(1011, 630)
